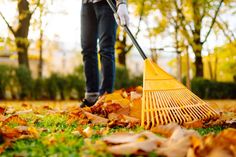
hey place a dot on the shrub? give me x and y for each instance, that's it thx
(207, 89)
(52, 87)
(39, 89)
(124, 80)
(76, 86)
(5, 78)
(25, 81)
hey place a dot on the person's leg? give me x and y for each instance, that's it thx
(89, 37)
(107, 37)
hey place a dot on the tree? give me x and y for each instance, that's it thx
(22, 30)
(191, 15)
(223, 61)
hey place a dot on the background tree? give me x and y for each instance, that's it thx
(22, 30)
(193, 16)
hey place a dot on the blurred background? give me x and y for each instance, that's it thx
(40, 50)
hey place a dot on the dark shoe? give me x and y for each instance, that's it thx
(85, 103)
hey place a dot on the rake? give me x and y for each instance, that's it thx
(164, 98)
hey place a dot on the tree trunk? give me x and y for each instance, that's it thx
(40, 66)
(199, 65)
(210, 70)
(197, 48)
(40, 70)
(21, 35)
(22, 51)
(188, 83)
(179, 67)
(122, 58)
(215, 72)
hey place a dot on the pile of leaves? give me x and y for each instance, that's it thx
(175, 141)
(112, 126)
(121, 108)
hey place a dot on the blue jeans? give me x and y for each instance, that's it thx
(98, 23)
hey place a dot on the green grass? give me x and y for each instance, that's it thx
(214, 129)
(57, 139)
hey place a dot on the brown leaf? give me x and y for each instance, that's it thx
(24, 112)
(10, 133)
(15, 119)
(133, 148)
(165, 130)
(122, 120)
(125, 137)
(136, 108)
(114, 96)
(131, 143)
(2, 110)
(96, 119)
(194, 124)
(210, 145)
(178, 148)
(4, 146)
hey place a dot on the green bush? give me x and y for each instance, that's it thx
(5, 78)
(76, 86)
(25, 81)
(207, 89)
(52, 87)
(39, 89)
(124, 80)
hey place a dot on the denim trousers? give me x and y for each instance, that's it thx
(98, 26)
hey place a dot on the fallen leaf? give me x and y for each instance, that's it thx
(15, 119)
(114, 96)
(24, 112)
(88, 132)
(178, 148)
(135, 95)
(131, 143)
(133, 148)
(136, 108)
(2, 110)
(125, 137)
(96, 119)
(122, 120)
(165, 130)
(194, 124)
(9, 133)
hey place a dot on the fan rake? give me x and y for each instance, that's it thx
(165, 99)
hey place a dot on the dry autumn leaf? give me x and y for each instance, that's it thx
(96, 119)
(2, 110)
(130, 143)
(15, 119)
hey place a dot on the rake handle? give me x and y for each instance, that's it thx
(113, 7)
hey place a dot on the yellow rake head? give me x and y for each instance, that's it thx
(166, 100)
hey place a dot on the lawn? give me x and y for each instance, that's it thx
(50, 128)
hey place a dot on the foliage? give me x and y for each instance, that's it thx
(124, 80)
(223, 62)
(24, 79)
(207, 89)
(19, 83)
(5, 78)
(193, 22)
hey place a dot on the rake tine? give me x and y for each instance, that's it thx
(155, 104)
(167, 101)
